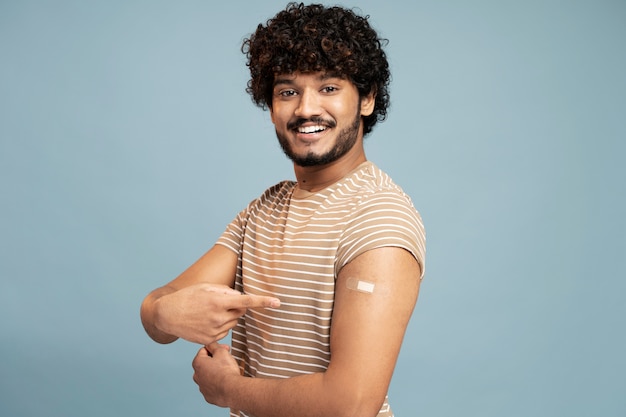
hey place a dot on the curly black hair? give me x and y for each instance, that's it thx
(315, 38)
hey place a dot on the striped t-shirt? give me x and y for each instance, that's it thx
(292, 245)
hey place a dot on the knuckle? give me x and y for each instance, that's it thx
(247, 301)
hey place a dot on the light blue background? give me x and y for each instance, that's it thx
(128, 143)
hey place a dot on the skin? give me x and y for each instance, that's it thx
(314, 95)
(302, 150)
(366, 336)
(367, 328)
(200, 304)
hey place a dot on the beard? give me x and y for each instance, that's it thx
(344, 142)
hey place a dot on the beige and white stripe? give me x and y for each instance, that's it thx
(292, 244)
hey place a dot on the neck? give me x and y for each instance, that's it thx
(317, 178)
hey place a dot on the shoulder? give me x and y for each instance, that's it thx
(382, 215)
(276, 194)
(373, 187)
(271, 201)
(279, 189)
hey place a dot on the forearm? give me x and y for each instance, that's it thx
(150, 316)
(314, 395)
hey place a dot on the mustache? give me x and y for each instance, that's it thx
(294, 124)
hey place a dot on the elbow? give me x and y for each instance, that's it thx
(149, 316)
(354, 394)
(360, 405)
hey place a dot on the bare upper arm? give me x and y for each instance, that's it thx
(368, 325)
(217, 266)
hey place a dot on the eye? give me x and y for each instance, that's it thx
(330, 89)
(287, 93)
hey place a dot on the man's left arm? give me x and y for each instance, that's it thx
(374, 299)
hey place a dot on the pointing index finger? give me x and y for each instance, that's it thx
(253, 301)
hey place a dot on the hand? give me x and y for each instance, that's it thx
(205, 313)
(212, 365)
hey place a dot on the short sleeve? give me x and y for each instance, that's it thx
(232, 237)
(383, 219)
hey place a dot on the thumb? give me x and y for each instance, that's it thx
(214, 347)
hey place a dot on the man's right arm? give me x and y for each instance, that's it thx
(200, 305)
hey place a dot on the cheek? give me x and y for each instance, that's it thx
(279, 116)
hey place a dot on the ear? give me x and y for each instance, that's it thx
(271, 114)
(367, 103)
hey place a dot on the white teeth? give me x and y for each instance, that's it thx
(311, 129)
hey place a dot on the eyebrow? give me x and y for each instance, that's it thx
(326, 75)
(283, 80)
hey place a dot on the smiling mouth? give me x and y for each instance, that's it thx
(310, 126)
(311, 129)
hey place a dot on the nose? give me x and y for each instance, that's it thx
(309, 104)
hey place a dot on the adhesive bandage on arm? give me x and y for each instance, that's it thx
(360, 285)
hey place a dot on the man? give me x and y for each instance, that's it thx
(317, 278)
